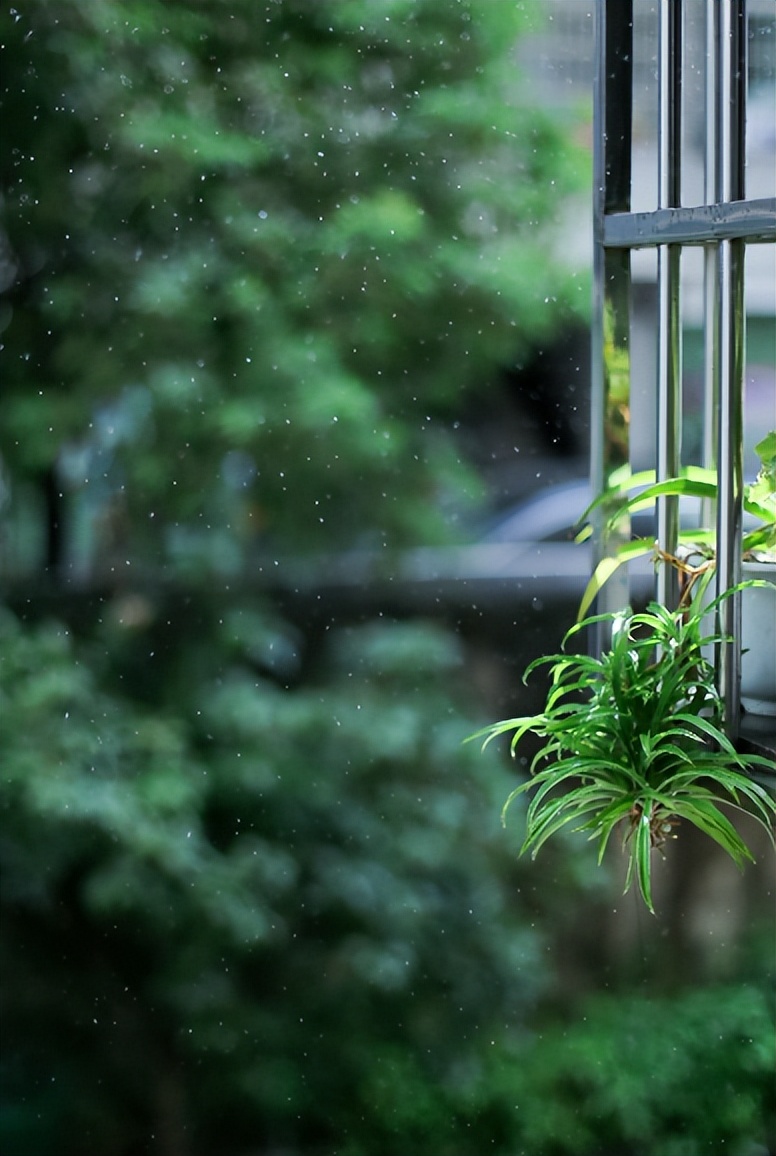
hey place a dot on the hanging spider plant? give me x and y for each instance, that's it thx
(633, 740)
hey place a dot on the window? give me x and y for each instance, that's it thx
(699, 54)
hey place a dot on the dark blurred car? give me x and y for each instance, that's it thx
(554, 515)
(527, 554)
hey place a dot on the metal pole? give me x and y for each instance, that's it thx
(711, 357)
(611, 407)
(731, 107)
(668, 277)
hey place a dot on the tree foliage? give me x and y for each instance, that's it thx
(236, 924)
(262, 250)
(649, 1075)
(253, 257)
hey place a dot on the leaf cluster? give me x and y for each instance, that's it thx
(758, 500)
(633, 740)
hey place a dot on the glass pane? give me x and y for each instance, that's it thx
(645, 107)
(760, 388)
(761, 113)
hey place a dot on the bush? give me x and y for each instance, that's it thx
(261, 921)
(675, 1076)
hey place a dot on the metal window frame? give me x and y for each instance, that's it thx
(723, 225)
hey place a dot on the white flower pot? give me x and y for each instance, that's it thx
(758, 640)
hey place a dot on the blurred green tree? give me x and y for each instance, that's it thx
(253, 255)
(258, 921)
(257, 253)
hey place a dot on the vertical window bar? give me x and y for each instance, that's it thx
(731, 110)
(668, 276)
(610, 436)
(710, 280)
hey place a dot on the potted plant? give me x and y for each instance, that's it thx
(758, 633)
(633, 740)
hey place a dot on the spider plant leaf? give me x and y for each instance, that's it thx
(707, 817)
(735, 785)
(710, 730)
(678, 731)
(587, 799)
(552, 752)
(545, 782)
(670, 751)
(576, 664)
(763, 538)
(647, 744)
(608, 819)
(622, 481)
(613, 770)
(608, 566)
(550, 819)
(543, 660)
(544, 818)
(515, 794)
(641, 851)
(495, 730)
(577, 667)
(600, 798)
(764, 512)
(766, 452)
(695, 482)
(654, 616)
(617, 618)
(549, 824)
(558, 693)
(702, 610)
(740, 785)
